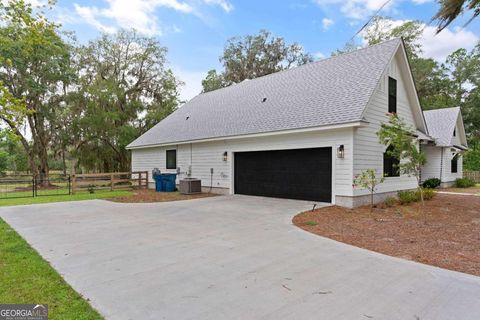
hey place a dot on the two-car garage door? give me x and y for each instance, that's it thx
(304, 174)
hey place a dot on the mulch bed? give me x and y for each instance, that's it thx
(152, 196)
(449, 239)
(473, 190)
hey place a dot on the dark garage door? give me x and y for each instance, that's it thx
(304, 174)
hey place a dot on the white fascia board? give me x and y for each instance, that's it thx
(256, 135)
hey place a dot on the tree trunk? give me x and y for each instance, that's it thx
(371, 201)
(40, 145)
(64, 162)
(43, 170)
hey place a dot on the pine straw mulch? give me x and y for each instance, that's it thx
(145, 196)
(472, 190)
(449, 239)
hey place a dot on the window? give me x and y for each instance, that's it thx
(392, 95)
(171, 159)
(454, 168)
(390, 164)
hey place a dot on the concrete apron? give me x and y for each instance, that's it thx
(231, 257)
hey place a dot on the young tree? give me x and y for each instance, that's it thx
(369, 180)
(34, 68)
(404, 147)
(254, 56)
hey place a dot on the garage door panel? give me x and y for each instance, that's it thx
(304, 174)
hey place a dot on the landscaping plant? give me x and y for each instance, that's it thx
(464, 183)
(369, 180)
(405, 148)
(432, 183)
(409, 196)
(390, 202)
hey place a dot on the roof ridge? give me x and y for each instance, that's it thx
(300, 66)
(441, 109)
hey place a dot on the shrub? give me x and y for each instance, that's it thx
(431, 183)
(428, 193)
(407, 196)
(390, 202)
(464, 183)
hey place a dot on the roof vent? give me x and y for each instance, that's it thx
(188, 117)
(264, 99)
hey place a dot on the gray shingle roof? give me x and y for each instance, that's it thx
(331, 91)
(441, 123)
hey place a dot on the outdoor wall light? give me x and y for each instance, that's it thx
(225, 156)
(341, 151)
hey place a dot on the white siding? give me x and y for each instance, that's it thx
(448, 176)
(205, 155)
(368, 152)
(432, 168)
(436, 167)
(456, 139)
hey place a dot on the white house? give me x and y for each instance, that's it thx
(302, 133)
(445, 154)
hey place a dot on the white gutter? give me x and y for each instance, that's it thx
(256, 135)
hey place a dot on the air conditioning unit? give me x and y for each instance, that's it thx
(190, 186)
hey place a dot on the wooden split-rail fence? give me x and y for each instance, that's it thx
(109, 181)
(474, 175)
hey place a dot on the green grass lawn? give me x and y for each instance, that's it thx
(54, 197)
(26, 278)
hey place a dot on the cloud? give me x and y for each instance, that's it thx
(319, 55)
(439, 46)
(356, 9)
(193, 82)
(89, 15)
(421, 1)
(139, 14)
(226, 6)
(327, 23)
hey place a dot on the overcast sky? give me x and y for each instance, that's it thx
(195, 31)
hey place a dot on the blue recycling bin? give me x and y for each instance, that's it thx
(168, 182)
(165, 182)
(158, 182)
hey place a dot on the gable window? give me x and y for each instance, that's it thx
(390, 164)
(171, 159)
(454, 167)
(392, 95)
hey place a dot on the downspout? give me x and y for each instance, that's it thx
(441, 166)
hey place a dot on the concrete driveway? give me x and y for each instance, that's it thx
(232, 257)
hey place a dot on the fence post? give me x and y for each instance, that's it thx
(139, 180)
(111, 182)
(33, 186)
(146, 179)
(74, 183)
(69, 185)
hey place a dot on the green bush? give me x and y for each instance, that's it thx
(390, 202)
(464, 183)
(427, 193)
(407, 196)
(431, 183)
(471, 160)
